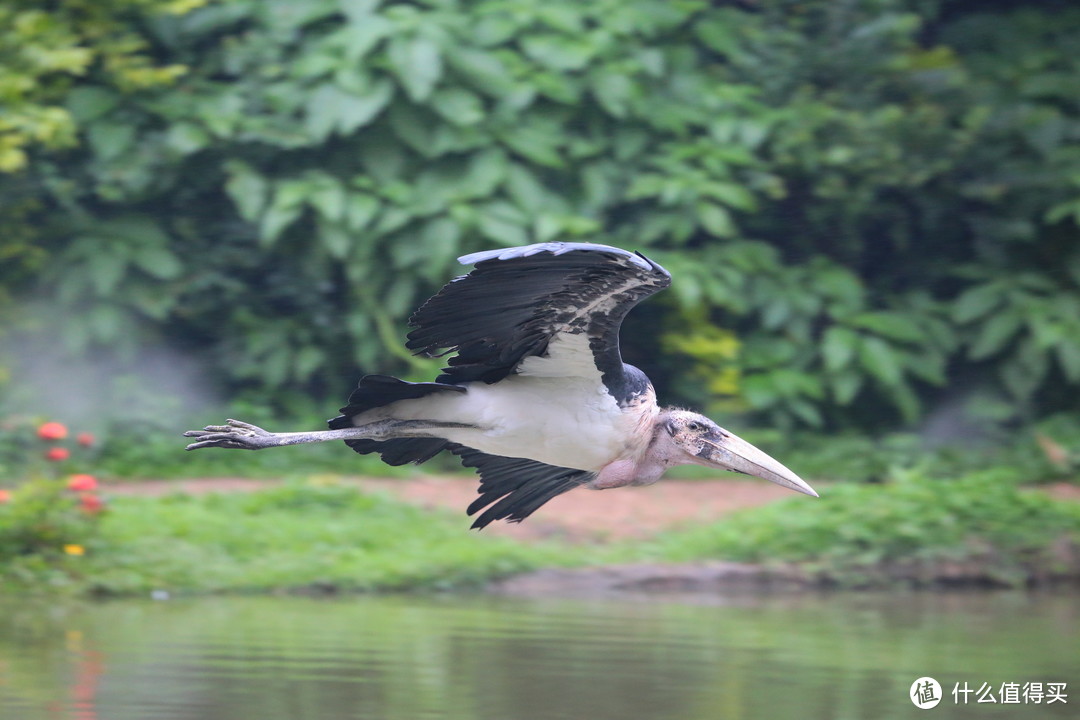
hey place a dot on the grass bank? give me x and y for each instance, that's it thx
(915, 530)
(313, 536)
(300, 536)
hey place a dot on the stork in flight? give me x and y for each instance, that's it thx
(536, 396)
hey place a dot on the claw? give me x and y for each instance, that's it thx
(215, 443)
(245, 426)
(234, 434)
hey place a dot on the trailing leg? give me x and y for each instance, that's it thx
(245, 436)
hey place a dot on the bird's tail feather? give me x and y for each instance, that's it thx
(514, 488)
(376, 391)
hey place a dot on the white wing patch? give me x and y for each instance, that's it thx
(567, 356)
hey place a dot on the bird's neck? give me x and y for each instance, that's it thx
(643, 469)
(661, 455)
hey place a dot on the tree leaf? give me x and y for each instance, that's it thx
(186, 138)
(365, 29)
(716, 220)
(105, 270)
(527, 192)
(158, 261)
(458, 106)
(330, 108)
(486, 170)
(805, 411)
(110, 140)
(892, 325)
(483, 70)
(336, 239)
(928, 366)
(329, 198)
(357, 110)
(558, 52)
(880, 360)
(730, 194)
(846, 386)
(838, 347)
(360, 210)
(613, 90)
(535, 143)
(976, 302)
(995, 333)
(417, 62)
(248, 189)
(275, 221)
(906, 401)
(502, 228)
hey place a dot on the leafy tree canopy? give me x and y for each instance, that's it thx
(862, 203)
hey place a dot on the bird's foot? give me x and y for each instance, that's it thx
(234, 434)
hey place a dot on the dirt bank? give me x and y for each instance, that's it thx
(579, 515)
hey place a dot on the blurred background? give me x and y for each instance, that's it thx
(871, 210)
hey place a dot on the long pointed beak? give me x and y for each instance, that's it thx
(731, 452)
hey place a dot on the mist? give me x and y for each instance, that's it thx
(153, 388)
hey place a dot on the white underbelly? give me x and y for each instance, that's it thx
(569, 422)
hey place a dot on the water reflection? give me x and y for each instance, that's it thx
(798, 656)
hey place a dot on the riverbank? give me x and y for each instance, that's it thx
(328, 534)
(581, 516)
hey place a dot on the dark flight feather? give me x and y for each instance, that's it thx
(516, 300)
(515, 487)
(375, 391)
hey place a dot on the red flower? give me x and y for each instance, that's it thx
(85, 439)
(56, 454)
(82, 483)
(52, 431)
(5, 496)
(91, 504)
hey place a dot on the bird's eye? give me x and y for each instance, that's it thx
(696, 426)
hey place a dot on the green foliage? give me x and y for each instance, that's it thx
(1046, 451)
(870, 198)
(45, 52)
(914, 528)
(41, 522)
(298, 536)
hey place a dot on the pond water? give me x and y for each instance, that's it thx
(479, 656)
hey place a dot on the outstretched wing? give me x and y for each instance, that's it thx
(527, 301)
(515, 487)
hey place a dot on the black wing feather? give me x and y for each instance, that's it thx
(515, 487)
(515, 301)
(378, 390)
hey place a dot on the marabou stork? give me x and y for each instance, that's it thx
(536, 396)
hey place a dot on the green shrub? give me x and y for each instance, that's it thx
(45, 519)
